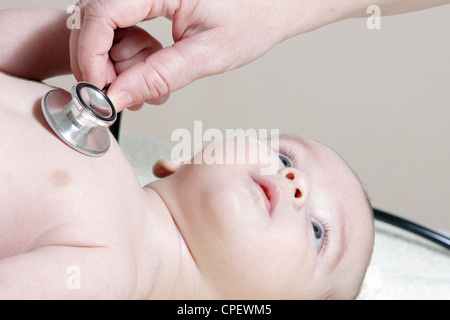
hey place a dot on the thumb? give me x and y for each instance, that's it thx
(163, 72)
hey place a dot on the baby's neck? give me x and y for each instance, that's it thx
(167, 269)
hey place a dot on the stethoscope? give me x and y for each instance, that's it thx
(81, 118)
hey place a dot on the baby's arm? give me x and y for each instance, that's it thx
(34, 43)
(61, 272)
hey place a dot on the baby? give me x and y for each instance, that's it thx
(75, 227)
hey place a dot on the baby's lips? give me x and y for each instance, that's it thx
(270, 191)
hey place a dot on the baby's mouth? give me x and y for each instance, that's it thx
(269, 191)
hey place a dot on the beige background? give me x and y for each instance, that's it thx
(378, 97)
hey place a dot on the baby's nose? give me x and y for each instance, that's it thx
(298, 185)
(291, 176)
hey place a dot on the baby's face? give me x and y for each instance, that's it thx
(305, 230)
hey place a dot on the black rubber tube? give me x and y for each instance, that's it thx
(410, 226)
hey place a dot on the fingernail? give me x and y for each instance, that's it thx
(121, 100)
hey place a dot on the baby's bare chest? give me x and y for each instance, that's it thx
(49, 193)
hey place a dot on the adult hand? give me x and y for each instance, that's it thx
(210, 37)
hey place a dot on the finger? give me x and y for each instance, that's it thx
(131, 41)
(120, 67)
(101, 18)
(156, 101)
(73, 47)
(94, 42)
(73, 43)
(109, 73)
(105, 69)
(136, 107)
(165, 71)
(160, 100)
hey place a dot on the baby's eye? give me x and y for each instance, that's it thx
(319, 234)
(285, 160)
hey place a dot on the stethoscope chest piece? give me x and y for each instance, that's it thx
(81, 118)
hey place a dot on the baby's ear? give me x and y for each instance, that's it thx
(165, 167)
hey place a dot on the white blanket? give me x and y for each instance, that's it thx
(404, 266)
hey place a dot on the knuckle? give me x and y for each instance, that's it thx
(95, 9)
(156, 84)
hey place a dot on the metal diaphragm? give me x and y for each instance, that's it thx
(81, 118)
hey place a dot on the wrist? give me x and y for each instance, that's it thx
(307, 15)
